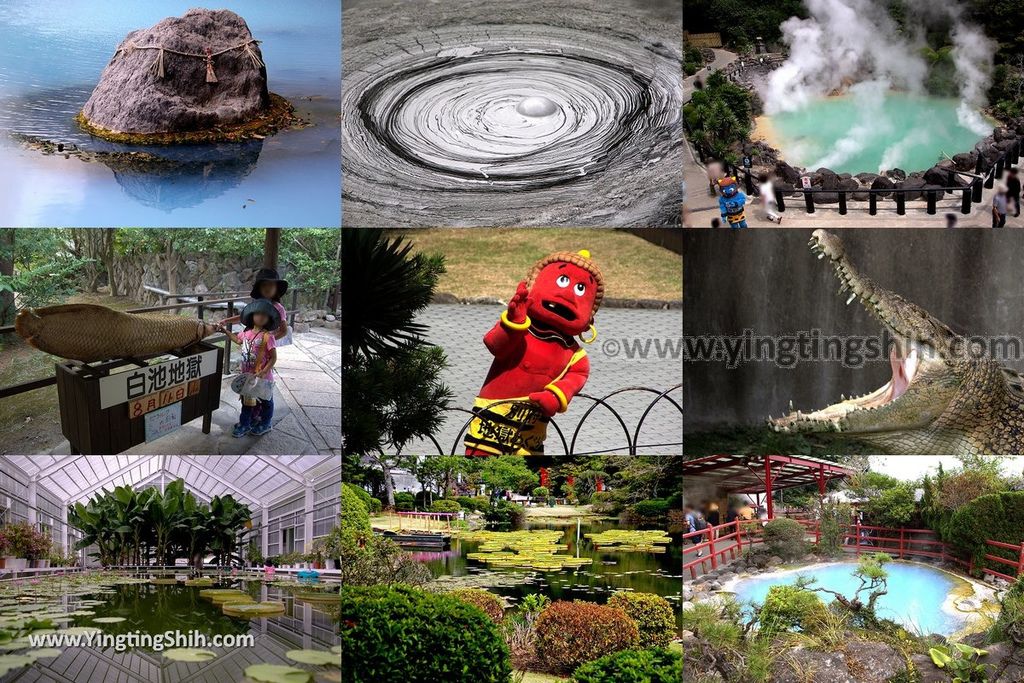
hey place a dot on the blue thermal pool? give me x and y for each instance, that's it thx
(915, 598)
(51, 56)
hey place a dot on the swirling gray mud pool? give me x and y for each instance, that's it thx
(457, 122)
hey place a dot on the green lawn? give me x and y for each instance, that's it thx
(491, 262)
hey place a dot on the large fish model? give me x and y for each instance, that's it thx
(88, 333)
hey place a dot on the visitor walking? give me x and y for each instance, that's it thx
(715, 173)
(730, 514)
(999, 202)
(1013, 190)
(695, 522)
(714, 518)
(768, 201)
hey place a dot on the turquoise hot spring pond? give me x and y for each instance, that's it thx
(914, 599)
(857, 134)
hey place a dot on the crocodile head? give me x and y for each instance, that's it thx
(942, 397)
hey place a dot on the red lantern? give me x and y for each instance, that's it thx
(570, 480)
(600, 484)
(544, 476)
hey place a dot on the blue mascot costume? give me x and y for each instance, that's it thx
(732, 203)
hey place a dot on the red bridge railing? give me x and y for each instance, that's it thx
(721, 544)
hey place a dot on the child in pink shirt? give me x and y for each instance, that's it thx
(259, 355)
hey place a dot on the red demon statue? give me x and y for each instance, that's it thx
(538, 365)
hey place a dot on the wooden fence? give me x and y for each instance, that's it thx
(721, 544)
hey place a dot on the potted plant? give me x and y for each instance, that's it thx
(38, 550)
(317, 554)
(19, 545)
(254, 555)
(3, 548)
(332, 546)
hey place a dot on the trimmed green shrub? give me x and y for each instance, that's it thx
(404, 501)
(354, 514)
(603, 502)
(656, 507)
(489, 603)
(675, 501)
(573, 633)
(541, 492)
(652, 613)
(404, 634)
(656, 665)
(445, 505)
(995, 517)
(371, 503)
(473, 502)
(785, 538)
(786, 607)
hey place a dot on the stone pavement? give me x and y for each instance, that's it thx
(307, 408)
(624, 355)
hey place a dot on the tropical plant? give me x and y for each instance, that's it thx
(961, 661)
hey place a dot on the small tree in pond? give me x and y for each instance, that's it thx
(874, 583)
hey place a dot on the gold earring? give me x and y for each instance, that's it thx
(592, 339)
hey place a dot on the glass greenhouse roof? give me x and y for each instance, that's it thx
(258, 479)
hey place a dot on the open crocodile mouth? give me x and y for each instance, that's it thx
(906, 358)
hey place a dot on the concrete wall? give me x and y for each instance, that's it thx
(769, 281)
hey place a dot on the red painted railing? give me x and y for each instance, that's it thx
(721, 544)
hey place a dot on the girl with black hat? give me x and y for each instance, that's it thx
(255, 383)
(269, 286)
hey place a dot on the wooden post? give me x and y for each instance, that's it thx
(711, 548)
(1020, 560)
(842, 202)
(901, 202)
(873, 203)
(901, 542)
(809, 201)
(965, 203)
(977, 187)
(856, 531)
(768, 486)
(932, 200)
(271, 247)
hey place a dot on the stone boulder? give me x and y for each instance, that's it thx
(787, 173)
(160, 80)
(1004, 133)
(965, 161)
(882, 183)
(871, 661)
(807, 666)
(1003, 660)
(897, 174)
(928, 672)
(914, 184)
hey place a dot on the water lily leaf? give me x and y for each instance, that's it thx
(188, 654)
(108, 620)
(314, 657)
(336, 648)
(276, 673)
(12, 662)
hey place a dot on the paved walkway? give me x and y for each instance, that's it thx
(307, 408)
(624, 355)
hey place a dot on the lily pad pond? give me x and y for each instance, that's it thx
(551, 561)
(299, 637)
(51, 57)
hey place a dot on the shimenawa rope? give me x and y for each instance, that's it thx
(157, 67)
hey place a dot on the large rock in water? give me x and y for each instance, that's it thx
(133, 98)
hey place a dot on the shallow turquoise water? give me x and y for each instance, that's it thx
(51, 55)
(857, 134)
(915, 596)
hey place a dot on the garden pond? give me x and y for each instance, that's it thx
(592, 569)
(51, 56)
(923, 599)
(120, 605)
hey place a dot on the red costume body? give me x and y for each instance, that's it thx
(538, 366)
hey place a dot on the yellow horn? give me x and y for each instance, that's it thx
(585, 253)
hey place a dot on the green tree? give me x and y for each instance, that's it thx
(506, 472)
(393, 393)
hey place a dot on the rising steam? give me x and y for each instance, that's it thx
(849, 42)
